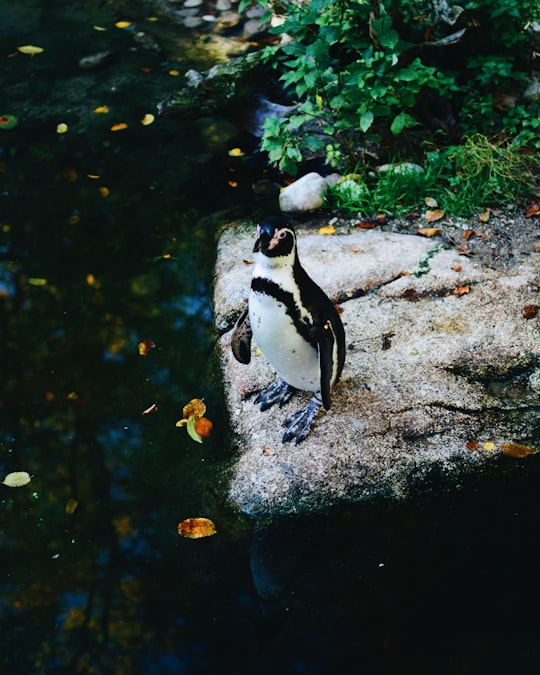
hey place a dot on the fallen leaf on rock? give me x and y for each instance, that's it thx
(32, 50)
(356, 249)
(530, 311)
(533, 210)
(429, 231)
(472, 445)
(462, 290)
(457, 268)
(145, 346)
(517, 450)
(17, 479)
(365, 225)
(248, 262)
(196, 528)
(432, 215)
(150, 409)
(268, 452)
(489, 445)
(327, 229)
(485, 216)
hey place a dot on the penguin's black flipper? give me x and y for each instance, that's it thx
(241, 339)
(327, 357)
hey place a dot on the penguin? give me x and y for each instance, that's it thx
(294, 323)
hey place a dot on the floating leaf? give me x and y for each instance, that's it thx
(8, 121)
(150, 409)
(99, 28)
(203, 427)
(232, 183)
(236, 152)
(104, 191)
(71, 506)
(123, 24)
(37, 281)
(192, 432)
(327, 229)
(32, 50)
(530, 311)
(432, 215)
(429, 231)
(17, 479)
(119, 126)
(61, 128)
(174, 73)
(147, 119)
(517, 450)
(462, 290)
(195, 408)
(196, 528)
(145, 346)
(101, 110)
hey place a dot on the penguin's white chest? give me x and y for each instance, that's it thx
(295, 360)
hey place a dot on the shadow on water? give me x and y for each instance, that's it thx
(107, 239)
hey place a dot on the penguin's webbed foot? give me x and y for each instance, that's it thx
(278, 392)
(299, 423)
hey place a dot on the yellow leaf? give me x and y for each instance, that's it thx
(123, 24)
(432, 203)
(327, 229)
(30, 49)
(101, 109)
(319, 100)
(119, 126)
(61, 128)
(99, 28)
(104, 191)
(71, 506)
(147, 119)
(195, 408)
(196, 528)
(174, 73)
(17, 479)
(489, 445)
(36, 281)
(429, 231)
(236, 152)
(484, 216)
(432, 215)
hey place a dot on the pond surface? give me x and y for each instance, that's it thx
(107, 240)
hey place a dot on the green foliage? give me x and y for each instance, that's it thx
(361, 69)
(462, 179)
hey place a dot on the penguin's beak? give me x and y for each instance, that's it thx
(264, 237)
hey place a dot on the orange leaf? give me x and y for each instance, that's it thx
(119, 126)
(196, 528)
(530, 311)
(472, 445)
(462, 290)
(195, 408)
(327, 229)
(365, 225)
(432, 215)
(533, 210)
(101, 110)
(517, 450)
(145, 346)
(204, 426)
(429, 231)
(457, 268)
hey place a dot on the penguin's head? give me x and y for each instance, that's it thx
(275, 237)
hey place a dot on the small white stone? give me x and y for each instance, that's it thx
(305, 194)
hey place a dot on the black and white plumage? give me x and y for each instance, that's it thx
(295, 325)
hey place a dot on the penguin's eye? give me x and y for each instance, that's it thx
(282, 234)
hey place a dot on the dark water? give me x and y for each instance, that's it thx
(443, 586)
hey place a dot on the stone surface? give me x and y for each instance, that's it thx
(429, 369)
(305, 194)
